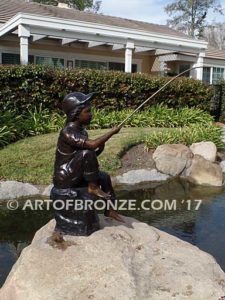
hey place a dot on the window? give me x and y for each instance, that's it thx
(183, 68)
(10, 59)
(69, 64)
(52, 61)
(218, 73)
(115, 66)
(14, 59)
(91, 64)
(206, 75)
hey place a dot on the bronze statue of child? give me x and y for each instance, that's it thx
(76, 170)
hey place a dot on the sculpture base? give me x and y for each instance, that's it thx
(69, 220)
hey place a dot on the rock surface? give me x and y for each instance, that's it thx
(171, 159)
(204, 172)
(142, 175)
(47, 190)
(15, 189)
(205, 149)
(131, 261)
(222, 166)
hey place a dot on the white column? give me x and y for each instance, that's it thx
(128, 57)
(24, 34)
(198, 73)
(211, 75)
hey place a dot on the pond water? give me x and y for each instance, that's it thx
(204, 227)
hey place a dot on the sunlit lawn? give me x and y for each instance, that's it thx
(31, 160)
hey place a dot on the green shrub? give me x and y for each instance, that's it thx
(40, 121)
(7, 135)
(10, 127)
(14, 127)
(187, 136)
(156, 116)
(222, 118)
(26, 87)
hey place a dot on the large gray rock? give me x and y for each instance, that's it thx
(15, 189)
(204, 172)
(131, 261)
(205, 149)
(172, 159)
(141, 175)
(222, 166)
(47, 190)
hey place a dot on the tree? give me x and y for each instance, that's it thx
(215, 35)
(90, 5)
(189, 16)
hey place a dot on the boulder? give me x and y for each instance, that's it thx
(15, 189)
(204, 172)
(141, 175)
(121, 261)
(220, 156)
(172, 159)
(47, 190)
(205, 149)
(222, 166)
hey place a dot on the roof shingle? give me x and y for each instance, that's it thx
(215, 53)
(9, 8)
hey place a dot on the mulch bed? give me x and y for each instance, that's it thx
(137, 157)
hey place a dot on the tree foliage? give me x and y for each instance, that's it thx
(90, 5)
(190, 16)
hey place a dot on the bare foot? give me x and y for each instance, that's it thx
(114, 215)
(94, 189)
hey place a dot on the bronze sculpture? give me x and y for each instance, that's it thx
(76, 169)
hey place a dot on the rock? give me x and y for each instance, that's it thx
(222, 166)
(220, 156)
(15, 189)
(47, 190)
(141, 175)
(205, 149)
(172, 159)
(204, 172)
(130, 261)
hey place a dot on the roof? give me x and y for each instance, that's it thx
(210, 52)
(215, 53)
(9, 8)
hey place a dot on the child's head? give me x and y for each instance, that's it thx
(77, 106)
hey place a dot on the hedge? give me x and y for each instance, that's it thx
(23, 87)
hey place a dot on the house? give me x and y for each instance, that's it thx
(213, 63)
(36, 33)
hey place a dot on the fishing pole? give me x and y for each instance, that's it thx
(172, 79)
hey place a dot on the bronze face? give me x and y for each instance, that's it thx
(85, 116)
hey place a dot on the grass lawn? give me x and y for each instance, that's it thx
(31, 160)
